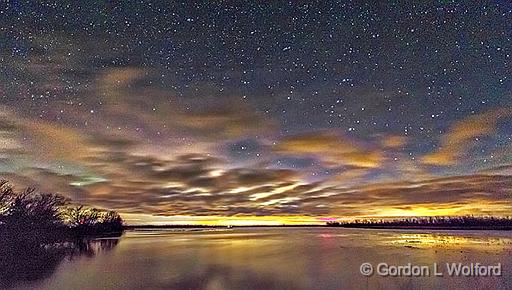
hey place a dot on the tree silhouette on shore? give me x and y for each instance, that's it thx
(31, 215)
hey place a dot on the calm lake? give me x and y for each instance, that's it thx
(264, 258)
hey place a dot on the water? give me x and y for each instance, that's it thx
(263, 258)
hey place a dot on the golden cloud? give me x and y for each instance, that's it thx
(459, 138)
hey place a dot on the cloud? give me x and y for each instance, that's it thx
(226, 121)
(462, 134)
(484, 194)
(199, 185)
(118, 138)
(331, 148)
(505, 169)
(222, 118)
(41, 139)
(394, 141)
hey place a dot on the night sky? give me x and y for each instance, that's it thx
(260, 111)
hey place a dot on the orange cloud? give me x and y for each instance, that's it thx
(461, 135)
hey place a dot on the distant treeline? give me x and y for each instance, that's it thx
(191, 226)
(45, 217)
(458, 222)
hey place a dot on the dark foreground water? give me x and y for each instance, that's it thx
(263, 258)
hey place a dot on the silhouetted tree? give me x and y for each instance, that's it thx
(29, 209)
(82, 216)
(43, 216)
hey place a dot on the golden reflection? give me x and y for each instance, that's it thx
(428, 240)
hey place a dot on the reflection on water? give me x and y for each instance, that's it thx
(269, 258)
(443, 240)
(21, 263)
